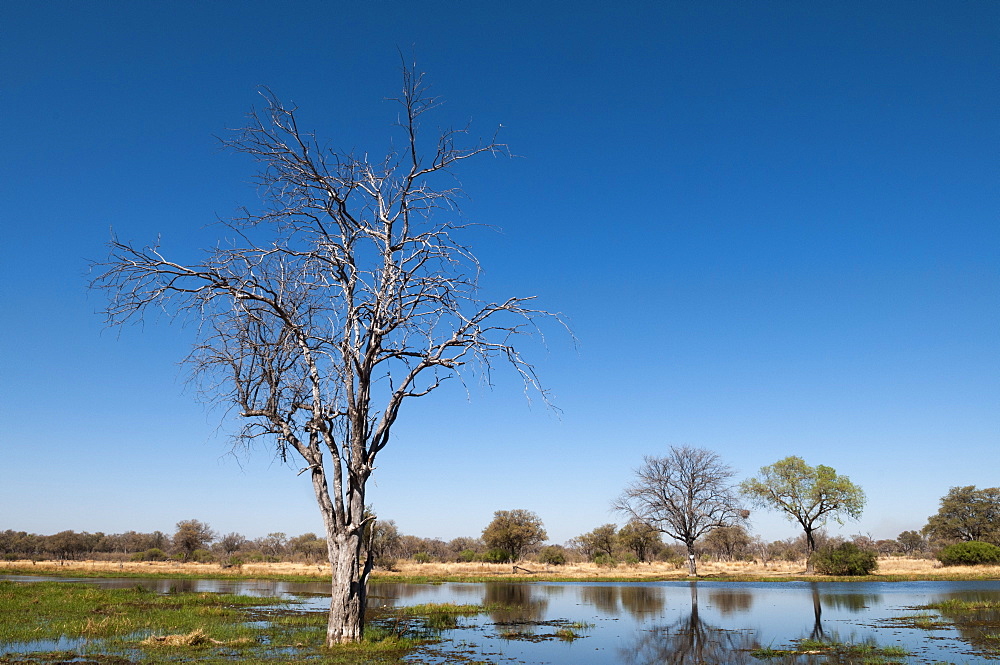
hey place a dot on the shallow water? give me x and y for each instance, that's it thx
(651, 622)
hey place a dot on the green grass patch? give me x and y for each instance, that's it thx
(49, 610)
(861, 653)
(139, 626)
(957, 606)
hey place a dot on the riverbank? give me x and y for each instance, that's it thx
(890, 569)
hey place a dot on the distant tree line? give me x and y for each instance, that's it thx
(192, 540)
(967, 515)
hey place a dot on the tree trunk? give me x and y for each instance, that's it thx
(812, 549)
(346, 621)
(692, 561)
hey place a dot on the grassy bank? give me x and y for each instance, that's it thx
(119, 626)
(890, 570)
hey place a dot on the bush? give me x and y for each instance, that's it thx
(845, 559)
(552, 556)
(152, 554)
(631, 559)
(497, 555)
(971, 553)
(605, 559)
(466, 556)
(422, 557)
(202, 556)
(386, 562)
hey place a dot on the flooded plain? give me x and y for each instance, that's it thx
(665, 622)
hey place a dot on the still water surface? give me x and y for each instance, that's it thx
(656, 622)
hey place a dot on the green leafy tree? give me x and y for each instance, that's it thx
(601, 540)
(192, 535)
(640, 539)
(309, 545)
(515, 532)
(910, 542)
(967, 513)
(67, 544)
(807, 495)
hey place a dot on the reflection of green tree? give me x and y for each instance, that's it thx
(517, 602)
(690, 641)
(640, 601)
(853, 602)
(604, 598)
(817, 631)
(730, 600)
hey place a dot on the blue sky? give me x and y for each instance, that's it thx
(772, 227)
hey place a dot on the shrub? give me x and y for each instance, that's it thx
(386, 562)
(467, 555)
(969, 553)
(496, 555)
(631, 559)
(154, 554)
(202, 556)
(552, 556)
(422, 557)
(845, 559)
(605, 559)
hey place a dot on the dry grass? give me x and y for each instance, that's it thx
(893, 566)
(195, 638)
(164, 568)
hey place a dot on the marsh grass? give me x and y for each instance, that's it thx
(860, 653)
(49, 610)
(955, 605)
(136, 625)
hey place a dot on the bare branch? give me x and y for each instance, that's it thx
(346, 295)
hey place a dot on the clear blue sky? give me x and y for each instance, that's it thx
(773, 227)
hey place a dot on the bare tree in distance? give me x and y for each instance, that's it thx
(347, 296)
(684, 495)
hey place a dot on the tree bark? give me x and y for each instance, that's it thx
(347, 592)
(692, 561)
(810, 568)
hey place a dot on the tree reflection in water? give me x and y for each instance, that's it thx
(691, 641)
(817, 631)
(604, 598)
(638, 600)
(730, 601)
(641, 601)
(514, 603)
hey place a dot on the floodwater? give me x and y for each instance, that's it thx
(659, 622)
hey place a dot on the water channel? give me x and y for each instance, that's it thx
(659, 622)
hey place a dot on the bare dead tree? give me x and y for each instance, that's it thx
(683, 495)
(320, 316)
